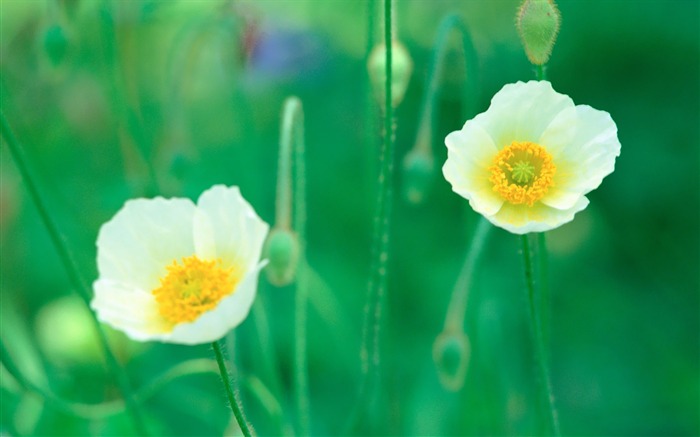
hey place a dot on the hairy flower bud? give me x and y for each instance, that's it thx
(538, 24)
(401, 69)
(282, 250)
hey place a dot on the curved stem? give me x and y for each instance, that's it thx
(460, 294)
(71, 267)
(468, 57)
(423, 146)
(290, 209)
(545, 383)
(225, 378)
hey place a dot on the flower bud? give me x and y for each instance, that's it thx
(418, 170)
(282, 250)
(55, 44)
(401, 69)
(538, 24)
(451, 354)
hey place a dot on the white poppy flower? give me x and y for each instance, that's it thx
(176, 272)
(527, 163)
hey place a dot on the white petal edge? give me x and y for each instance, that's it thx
(227, 227)
(513, 116)
(144, 237)
(584, 145)
(470, 152)
(521, 219)
(128, 309)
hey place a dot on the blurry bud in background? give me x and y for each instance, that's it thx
(66, 334)
(55, 44)
(451, 354)
(401, 69)
(418, 170)
(282, 250)
(538, 23)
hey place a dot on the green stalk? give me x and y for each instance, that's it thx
(226, 379)
(290, 211)
(541, 72)
(460, 294)
(371, 359)
(468, 57)
(545, 383)
(293, 138)
(71, 267)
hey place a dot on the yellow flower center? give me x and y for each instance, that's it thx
(522, 173)
(192, 288)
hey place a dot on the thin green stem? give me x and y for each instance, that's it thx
(541, 72)
(226, 379)
(71, 267)
(291, 211)
(545, 297)
(454, 321)
(370, 352)
(468, 57)
(545, 383)
(262, 328)
(423, 146)
(293, 132)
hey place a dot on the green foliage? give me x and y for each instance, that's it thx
(171, 97)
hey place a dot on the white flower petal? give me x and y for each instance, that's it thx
(522, 219)
(144, 237)
(227, 227)
(469, 154)
(228, 314)
(522, 111)
(128, 309)
(583, 143)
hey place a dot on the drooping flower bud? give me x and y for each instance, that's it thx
(538, 24)
(401, 70)
(282, 250)
(451, 354)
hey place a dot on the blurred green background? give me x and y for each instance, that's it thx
(104, 93)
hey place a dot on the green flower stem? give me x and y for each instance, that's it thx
(454, 322)
(225, 378)
(293, 138)
(269, 357)
(468, 58)
(371, 112)
(71, 267)
(545, 383)
(380, 241)
(545, 297)
(541, 72)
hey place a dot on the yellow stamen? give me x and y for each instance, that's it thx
(522, 173)
(192, 288)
